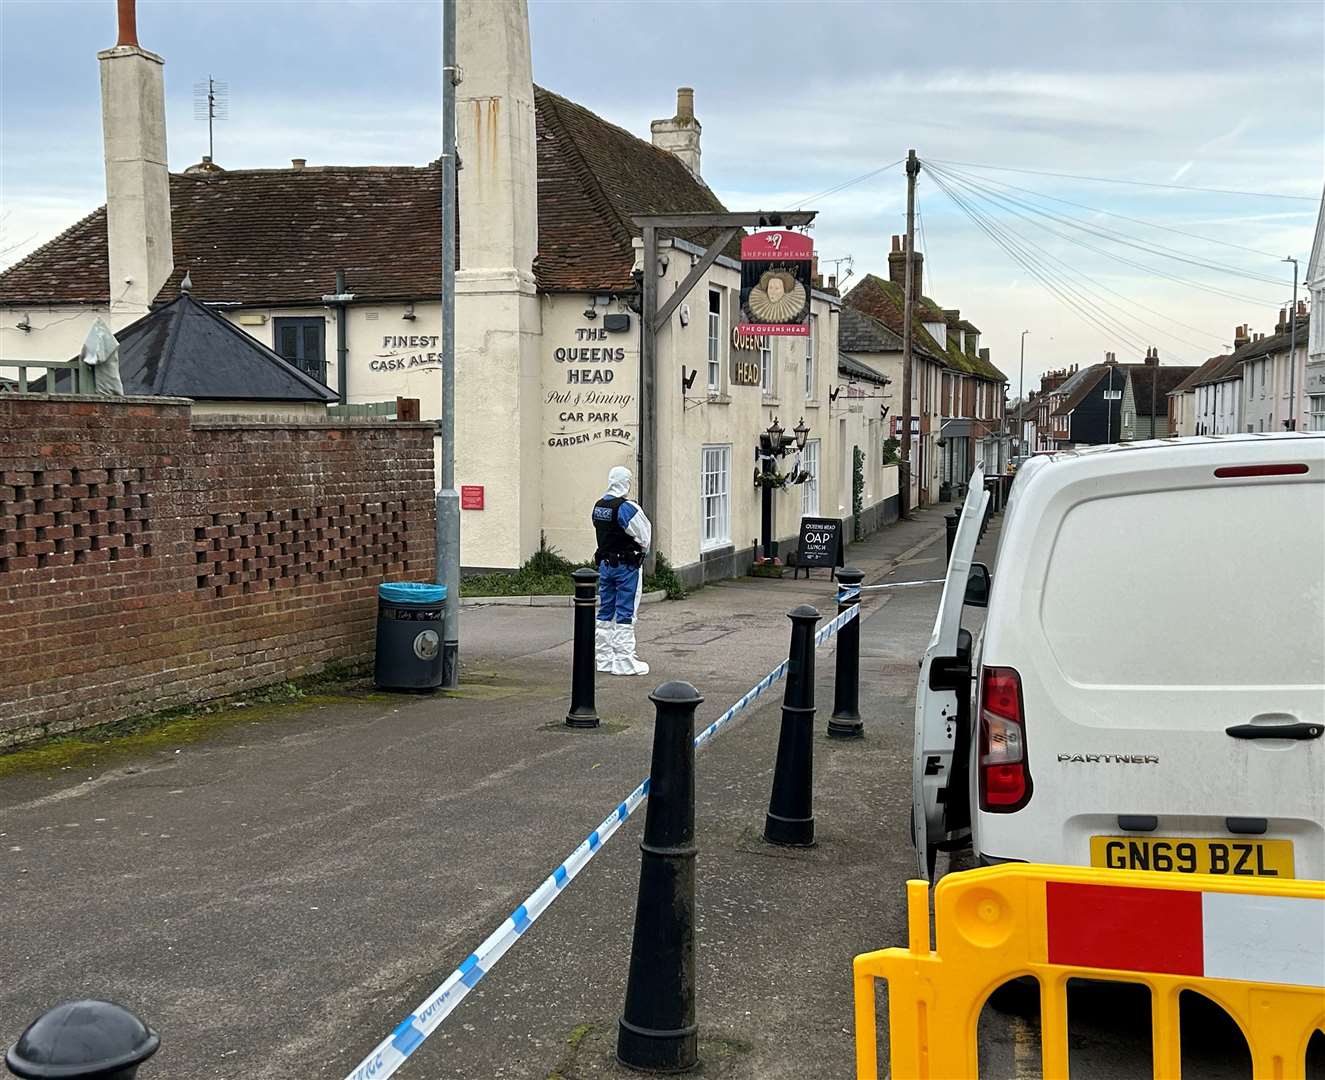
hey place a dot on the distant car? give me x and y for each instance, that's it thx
(1148, 690)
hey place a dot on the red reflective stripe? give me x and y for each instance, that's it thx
(1126, 929)
(1226, 471)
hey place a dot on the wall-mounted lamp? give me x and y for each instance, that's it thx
(883, 411)
(590, 312)
(24, 325)
(684, 314)
(833, 391)
(662, 265)
(409, 315)
(687, 381)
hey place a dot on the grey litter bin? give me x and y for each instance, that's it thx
(409, 635)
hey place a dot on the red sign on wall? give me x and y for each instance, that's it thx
(471, 496)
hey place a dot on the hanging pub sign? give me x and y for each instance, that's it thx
(775, 284)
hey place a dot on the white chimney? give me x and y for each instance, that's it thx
(680, 134)
(133, 118)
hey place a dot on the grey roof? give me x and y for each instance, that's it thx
(853, 368)
(184, 349)
(1153, 383)
(1218, 369)
(859, 332)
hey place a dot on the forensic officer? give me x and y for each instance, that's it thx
(624, 534)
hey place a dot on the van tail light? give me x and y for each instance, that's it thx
(1004, 777)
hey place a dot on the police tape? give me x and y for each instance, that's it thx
(410, 1033)
(851, 592)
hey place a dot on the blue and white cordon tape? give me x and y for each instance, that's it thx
(409, 1034)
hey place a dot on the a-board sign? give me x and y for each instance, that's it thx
(821, 543)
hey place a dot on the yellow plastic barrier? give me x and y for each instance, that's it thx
(1255, 946)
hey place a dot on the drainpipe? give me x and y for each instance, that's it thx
(342, 350)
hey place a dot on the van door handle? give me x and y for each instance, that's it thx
(1275, 731)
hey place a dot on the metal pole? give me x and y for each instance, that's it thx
(1108, 406)
(1291, 425)
(342, 347)
(1154, 387)
(1021, 395)
(657, 1030)
(845, 721)
(904, 470)
(790, 817)
(648, 473)
(448, 498)
(766, 501)
(582, 712)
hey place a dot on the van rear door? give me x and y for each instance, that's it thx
(1169, 638)
(937, 692)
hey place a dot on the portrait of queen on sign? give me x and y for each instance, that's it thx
(778, 298)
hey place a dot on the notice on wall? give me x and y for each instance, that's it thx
(821, 543)
(400, 352)
(591, 398)
(775, 283)
(471, 496)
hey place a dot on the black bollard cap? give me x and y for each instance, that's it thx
(804, 611)
(849, 575)
(82, 1039)
(584, 575)
(676, 692)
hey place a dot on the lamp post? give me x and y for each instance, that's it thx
(1021, 391)
(773, 444)
(1291, 422)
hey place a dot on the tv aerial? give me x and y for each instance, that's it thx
(211, 102)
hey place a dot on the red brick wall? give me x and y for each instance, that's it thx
(149, 560)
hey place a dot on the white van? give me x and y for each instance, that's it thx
(1148, 689)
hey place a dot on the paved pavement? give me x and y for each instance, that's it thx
(276, 896)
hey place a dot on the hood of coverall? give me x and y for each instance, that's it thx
(618, 482)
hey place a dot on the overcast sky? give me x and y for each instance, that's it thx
(795, 99)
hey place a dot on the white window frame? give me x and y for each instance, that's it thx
(812, 463)
(809, 361)
(715, 499)
(766, 367)
(714, 367)
(1316, 421)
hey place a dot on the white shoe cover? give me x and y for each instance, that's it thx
(625, 662)
(605, 644)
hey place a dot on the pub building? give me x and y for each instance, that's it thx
(337, 269)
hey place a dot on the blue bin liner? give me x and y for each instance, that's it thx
(411, 592)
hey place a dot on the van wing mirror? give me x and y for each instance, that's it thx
(977, 586)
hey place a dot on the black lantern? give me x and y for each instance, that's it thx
(775, 432)
(801, 431)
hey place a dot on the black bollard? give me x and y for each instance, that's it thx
(790, 817)
(582, 712)
(950, 525)
(83, 1040)
(845, 723)
(657, 1030)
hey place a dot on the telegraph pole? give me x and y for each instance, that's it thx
(448, 499)
(904, 487)
(1021, 395)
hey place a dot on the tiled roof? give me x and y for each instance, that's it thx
(278, 236)
(1219, 368)
(854, 369)
(266, 236)
(1189, 383)
(1081, 384)
(859, 332)
(593, 177)
(1152, 381)
(1273, 343)
(886, 301)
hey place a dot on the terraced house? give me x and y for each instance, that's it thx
(957, 394)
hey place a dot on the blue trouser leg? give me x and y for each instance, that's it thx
(618, 593)
(606, 593)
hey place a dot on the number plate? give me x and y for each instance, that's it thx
(1193, 855)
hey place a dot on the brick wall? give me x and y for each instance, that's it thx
(148, 559)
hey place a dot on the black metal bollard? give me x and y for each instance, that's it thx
(657, 1031)
(845, 723)
(83, 1040)
(582, 712)
(790, 817)
(950, 525)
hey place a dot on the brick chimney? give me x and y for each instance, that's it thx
(897, 266)
(133, 119)
(680, 135)
(1152, 356)
(1240, 336)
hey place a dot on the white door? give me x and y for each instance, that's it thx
(936, 726)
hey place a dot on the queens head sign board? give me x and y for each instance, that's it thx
(775, 283)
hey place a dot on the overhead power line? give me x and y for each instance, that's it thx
(1124, 260)
(1125, 217)
(843, 186)
(1134, 183)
